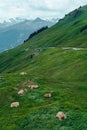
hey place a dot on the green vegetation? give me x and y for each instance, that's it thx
(54, 69)
(36, 32)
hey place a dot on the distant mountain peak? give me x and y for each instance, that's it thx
(38, 19)
(17, 30)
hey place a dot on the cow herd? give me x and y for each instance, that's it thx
(60, 115)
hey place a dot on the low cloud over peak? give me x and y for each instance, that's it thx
(37, 8)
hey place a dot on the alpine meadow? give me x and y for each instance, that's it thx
(53, 61)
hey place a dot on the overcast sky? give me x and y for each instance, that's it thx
(37, 8)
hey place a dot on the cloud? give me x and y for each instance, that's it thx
(34, 8)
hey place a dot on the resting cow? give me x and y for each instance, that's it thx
(61, 116)
(33, 86)
(15, 104)
(23, 73)
(49, 95)
(22, 92)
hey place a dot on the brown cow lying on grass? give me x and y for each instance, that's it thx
(49, 95)
(23, 73)
(61, 116)
(22, 92)
(15, 104)
(33, 86)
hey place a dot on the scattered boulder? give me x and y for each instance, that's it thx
(49, 95)
(22, 92)
(76, 13)
(61, 116)
(23, 73)
(15, 104)
(33, 86)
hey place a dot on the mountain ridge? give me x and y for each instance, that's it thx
(14, 34)
(56, 36)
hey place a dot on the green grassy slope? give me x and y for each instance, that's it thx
(62, 71)
(54, 69)
(65, 33)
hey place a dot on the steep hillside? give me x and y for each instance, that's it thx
(56, 60)
(69, 32)
(63, 72)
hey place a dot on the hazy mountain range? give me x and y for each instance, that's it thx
(15, 31)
